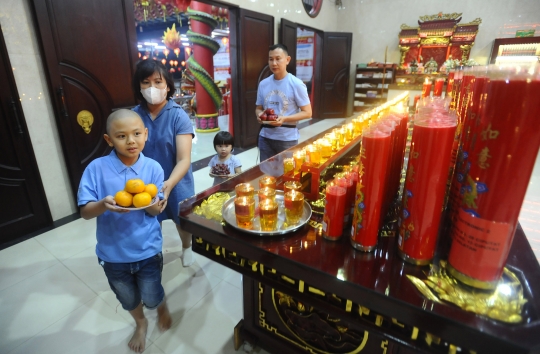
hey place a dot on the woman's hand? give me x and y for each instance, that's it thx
(166, 190)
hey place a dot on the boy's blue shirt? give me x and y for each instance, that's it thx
(122, 237)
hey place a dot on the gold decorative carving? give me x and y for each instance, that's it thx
(403, 50)
(435, 40)
(441, 16)
(85, 120)
(465, 50)
(476, 21)
(404, 26)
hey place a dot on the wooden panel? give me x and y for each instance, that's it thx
(287, 36)
(336, 59)
(250, 39)
(24, 207)
(90, 54)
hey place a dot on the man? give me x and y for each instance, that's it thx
(288, 97)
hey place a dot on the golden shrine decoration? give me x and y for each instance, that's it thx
(441, 16)
(435, 41)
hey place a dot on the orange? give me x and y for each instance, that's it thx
(141, 200)
(123, 198)
(134, 186)
(151, 189)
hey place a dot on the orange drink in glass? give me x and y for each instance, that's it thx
(267, 181)
(294, 207)
(244, 209)
(244, 190)
(291, 185)
(313, 155)
(268, 214)
(267, 193)
(288, 165)
(299, 158)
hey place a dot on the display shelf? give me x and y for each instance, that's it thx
(375, 79)
(515, 48)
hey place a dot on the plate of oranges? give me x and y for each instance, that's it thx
(136, 195)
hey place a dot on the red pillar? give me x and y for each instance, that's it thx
(205, 58)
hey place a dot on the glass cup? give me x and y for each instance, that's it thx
(267, 193)
(291, 185)
(299, 158)
(244, 190)
(268, 214)
(333, 140)
(267, 181)
(294, 207)
(349, 132)
(288, 165)
(244, 209)
(313, 155)
(326, 148)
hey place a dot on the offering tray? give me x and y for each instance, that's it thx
(282, 228)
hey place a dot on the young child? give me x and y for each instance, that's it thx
(223, 144)
(128, 241)
(170, 133)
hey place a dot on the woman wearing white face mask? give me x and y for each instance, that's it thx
(169, 141)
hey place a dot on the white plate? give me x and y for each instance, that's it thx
(154, 201)
(223, 176)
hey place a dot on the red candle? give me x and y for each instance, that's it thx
(456, 87)
(437, 90)
(347, 183)
(426, 88)
(425, 187)
(462, 101)
(469, 133)
(370, 189)
(501, 161)
(334, 209)
(416, 99)
(450, 82)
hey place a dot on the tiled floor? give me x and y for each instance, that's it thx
(54, 297)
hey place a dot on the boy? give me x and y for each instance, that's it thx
(128, 242)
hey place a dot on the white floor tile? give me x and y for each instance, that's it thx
(23, 260)
(63, 242)
(32, 305)
(208, 326)
(92, 328)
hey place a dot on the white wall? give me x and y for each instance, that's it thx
(374, 24)
(23, 50)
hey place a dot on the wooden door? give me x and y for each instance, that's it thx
(288, 36)
(251, 35)
(334, 69)
(90, 50)
(24, 207)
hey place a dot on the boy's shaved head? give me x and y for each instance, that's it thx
(119, 114)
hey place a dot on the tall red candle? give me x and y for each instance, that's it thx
(370, 189)
(334, 209)
(438, 89)
(426, 88)
(425, 187)
(344, 181)
(450, 82)
(501, 162)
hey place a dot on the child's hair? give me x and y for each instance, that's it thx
(223, 138)
(146, 68)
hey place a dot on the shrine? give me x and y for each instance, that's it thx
(437, 38)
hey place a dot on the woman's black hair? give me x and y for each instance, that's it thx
(223, 138)
(146, 68)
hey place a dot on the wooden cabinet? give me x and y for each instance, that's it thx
(371, 86)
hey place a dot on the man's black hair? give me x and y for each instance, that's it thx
(279, 45)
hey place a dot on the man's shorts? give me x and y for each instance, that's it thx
(136, 282)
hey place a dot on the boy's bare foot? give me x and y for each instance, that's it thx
(137, 343)
(164, 317)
